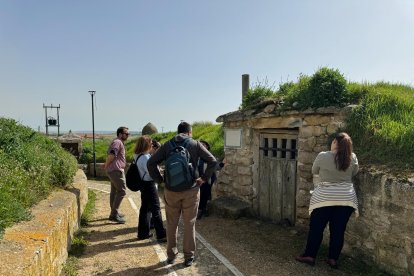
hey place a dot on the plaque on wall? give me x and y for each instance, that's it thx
(232, 138)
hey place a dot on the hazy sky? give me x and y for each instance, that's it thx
(166, 61)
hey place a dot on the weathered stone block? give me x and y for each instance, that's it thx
(244, 170)
(306, 157)
(244, 181)
(306, 132)
(307, 143)
(318, 131)
(333, 127)
(317, 119)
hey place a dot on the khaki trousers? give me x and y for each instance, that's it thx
(118, 190)
(186, 204)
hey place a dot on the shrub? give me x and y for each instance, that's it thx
(327, 87)
(30, 165)
(259, 92)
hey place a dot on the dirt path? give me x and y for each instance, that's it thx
(224, 247)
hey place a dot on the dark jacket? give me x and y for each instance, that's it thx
(196, 150)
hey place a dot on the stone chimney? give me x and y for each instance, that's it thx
(245, 85)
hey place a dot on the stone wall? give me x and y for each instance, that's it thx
(383, 233)
(40, 246)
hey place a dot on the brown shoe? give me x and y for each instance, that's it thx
(332, 263)
(306, 260)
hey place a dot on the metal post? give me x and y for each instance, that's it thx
(46, 124)
(93, 134)
(58, 121)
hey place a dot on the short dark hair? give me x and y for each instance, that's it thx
(184, 127)
(120, 130)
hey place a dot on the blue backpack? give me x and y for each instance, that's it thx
(179, 172)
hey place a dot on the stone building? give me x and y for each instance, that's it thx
(72, 143)
(269, 156)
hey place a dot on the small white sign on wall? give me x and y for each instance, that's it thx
(232, 138)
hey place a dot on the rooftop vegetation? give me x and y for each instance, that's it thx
(31, 165)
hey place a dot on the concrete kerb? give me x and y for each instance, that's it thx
(40, 246)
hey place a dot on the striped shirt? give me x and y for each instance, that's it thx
(334, 194)
(335, 187)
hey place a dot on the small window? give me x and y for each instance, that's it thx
(274, 147)
(284, 142)
(293, 148)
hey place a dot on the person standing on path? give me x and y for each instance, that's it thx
(205, 189)
(150, 202)
(114, 167)
(182, 203)
(333, 199)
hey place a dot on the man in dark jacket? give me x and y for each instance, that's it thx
(185, 202)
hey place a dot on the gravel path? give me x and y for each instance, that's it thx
(227, 247)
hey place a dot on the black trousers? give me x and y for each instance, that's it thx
(205, 195)
(150, 207)
(338, 217)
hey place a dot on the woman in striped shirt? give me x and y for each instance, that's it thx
(333, 199)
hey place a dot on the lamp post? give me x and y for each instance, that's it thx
(93, 134)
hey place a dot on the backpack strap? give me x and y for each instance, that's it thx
(184, 143)
(136, 164)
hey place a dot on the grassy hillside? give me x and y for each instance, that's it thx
(212, 133)
(382, 126)
(31, 165)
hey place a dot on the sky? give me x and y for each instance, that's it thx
(171, 60)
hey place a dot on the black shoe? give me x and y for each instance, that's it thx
(199, 214)
(170, 261)
(113, 216)
(189, 261)
(117, 219)
(332, 263)
(162, 240)
(306, 260)
(146, 237)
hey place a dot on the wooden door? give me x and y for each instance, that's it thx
(277, 177)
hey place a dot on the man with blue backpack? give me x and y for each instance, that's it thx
(182, 186)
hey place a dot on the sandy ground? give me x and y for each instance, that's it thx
(229, 247)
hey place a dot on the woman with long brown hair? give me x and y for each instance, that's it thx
(333, 199)
(150, 202)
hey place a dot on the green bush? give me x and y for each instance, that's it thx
(327, 87)
(258, 93)
(30, 165)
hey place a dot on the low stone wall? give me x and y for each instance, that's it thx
(383, 233)
(100, 171)
(40, 246)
